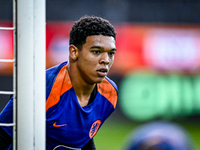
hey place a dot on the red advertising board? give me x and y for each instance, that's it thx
(139, 47)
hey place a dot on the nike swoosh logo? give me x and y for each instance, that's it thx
(60, 125)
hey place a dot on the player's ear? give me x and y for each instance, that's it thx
(73, 52)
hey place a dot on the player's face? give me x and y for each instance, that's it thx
(96, 58)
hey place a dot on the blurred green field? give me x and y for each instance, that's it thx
(112, 134)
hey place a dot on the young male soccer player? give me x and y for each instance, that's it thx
(79, 95)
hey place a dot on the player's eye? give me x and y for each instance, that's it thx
(111, 54)
(96, 52)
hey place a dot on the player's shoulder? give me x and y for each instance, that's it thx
(109, 90)
(52, 72)
(55, 69)
(110, 83)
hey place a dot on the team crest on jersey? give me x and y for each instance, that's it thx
(94, 128)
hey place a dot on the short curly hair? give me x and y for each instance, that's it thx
(88, 26)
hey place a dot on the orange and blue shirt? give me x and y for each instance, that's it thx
(68, 125)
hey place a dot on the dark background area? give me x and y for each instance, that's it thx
(141, 11)
(6, 84)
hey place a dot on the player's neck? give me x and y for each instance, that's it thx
(82, 89)
(83, 93)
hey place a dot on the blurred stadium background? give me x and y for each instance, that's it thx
(156, 68)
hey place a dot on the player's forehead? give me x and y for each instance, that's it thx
(107, 42)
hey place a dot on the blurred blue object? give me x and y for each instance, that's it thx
(159, 136)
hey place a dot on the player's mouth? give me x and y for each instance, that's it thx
(102, 72)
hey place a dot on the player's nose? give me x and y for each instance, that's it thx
(105, 58)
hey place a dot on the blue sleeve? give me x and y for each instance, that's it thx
(6, 116)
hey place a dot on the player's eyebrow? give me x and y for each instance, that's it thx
(99, 47)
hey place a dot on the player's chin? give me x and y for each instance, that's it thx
(99, 79)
